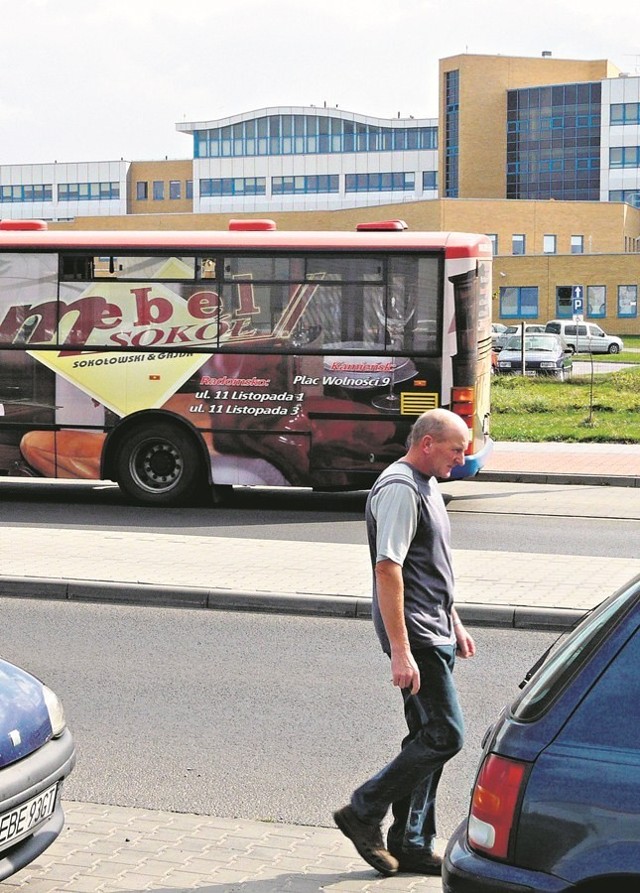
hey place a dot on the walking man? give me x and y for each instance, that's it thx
(418, 627)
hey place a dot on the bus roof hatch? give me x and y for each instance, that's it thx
(252, 225)
(22, 224)
(394, 225)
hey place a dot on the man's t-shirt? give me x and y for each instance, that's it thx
(407, 523)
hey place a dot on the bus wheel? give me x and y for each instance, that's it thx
(159, 465)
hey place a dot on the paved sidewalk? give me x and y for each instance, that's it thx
(104, 849)
(610, 464)
(523, 589)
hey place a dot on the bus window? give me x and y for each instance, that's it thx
(87, 268)
(28, 290)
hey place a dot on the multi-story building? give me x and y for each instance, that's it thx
(542, 154)
(290, 159)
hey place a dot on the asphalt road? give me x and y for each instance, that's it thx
(240, 715)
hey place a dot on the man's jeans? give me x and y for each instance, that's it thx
(409, 783)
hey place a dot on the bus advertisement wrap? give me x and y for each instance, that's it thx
(274, 367)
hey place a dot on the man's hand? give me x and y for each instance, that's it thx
(404, 671)
(466, 647)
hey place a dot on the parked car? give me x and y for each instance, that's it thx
(501, 339)
(37, 753)
(556, 801)
(497, 329)
(585, 337)
(544, 354)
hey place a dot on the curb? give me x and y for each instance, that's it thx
(309, 604)
(534, 477)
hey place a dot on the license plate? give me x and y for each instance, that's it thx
(23, 819)
(530, 372)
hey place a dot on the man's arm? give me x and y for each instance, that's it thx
(390, 590)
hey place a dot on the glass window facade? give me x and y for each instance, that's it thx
(233, 186)
(628, 301)
(73, 192)
(175, 190)
(142, 190)
(33, 192)
(307, 135)
(624, 156)
(630, 196)
(596, 300)
(549, 244)
(564, 301)
(389, 182)
(305, 185)
(519, 302)
(553, 142)
(429, 180)
(452, 134)
(158, 190)
(577, 244)
(518, 243)
(625, 113)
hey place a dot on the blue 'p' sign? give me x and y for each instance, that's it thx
(577, 299)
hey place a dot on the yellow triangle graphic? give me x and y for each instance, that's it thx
(124, 381)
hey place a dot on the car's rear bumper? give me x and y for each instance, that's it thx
(464, 871)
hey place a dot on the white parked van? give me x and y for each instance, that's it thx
(584, 337)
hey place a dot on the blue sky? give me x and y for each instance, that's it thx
(100, 80)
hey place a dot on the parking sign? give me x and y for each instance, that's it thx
(577, 303)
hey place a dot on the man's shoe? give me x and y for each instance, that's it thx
(367, 839)
(418, 862)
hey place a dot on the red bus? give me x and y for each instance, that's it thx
(171, 362)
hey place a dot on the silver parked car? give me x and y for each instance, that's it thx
(509, 331)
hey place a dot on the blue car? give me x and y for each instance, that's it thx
(544, 354)
(556, 801)
(37, 753)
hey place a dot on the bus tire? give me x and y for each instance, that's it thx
(159, 464)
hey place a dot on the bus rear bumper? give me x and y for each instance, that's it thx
(472, 463)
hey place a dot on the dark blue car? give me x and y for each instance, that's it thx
(556, 801)
(37, 753)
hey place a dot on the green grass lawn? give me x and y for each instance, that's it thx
(601, 408)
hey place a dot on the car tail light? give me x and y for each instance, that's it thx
(496, 796)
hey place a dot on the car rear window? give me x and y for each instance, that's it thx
(573, 650)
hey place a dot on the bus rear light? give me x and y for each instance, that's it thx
(463, 395)
(382, 225)
(463, 404)
(252, 225)
(494, 805)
